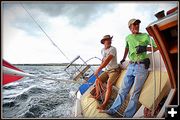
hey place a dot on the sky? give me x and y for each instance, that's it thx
(76, 28)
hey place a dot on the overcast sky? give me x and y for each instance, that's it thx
(75, 27)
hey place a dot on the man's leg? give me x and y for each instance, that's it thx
(97, 89)
(112, 79)
(107, 96)
(103, 77)
(140, 76)
(124, 90)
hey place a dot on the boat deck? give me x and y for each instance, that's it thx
(89, 105)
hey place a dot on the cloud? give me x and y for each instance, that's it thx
(15, 16)
(79, 14)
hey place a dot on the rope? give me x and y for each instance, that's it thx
(92, 103)
(102, 99)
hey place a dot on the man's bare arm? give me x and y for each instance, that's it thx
(125, 55)
(103, 64)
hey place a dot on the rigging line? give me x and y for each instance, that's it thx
(58, 79)
(44, 31)
(154, 77)
(61, 80)
(160, 74)
(47, 35)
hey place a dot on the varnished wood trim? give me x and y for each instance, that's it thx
(165, 52)
(156, 35)
(168, 25)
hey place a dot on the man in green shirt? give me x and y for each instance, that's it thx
(137, 71)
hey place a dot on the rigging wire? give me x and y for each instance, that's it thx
(44, 31)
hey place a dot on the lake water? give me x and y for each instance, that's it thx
(37, 97)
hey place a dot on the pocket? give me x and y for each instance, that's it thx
(140, 68)
(143, 66)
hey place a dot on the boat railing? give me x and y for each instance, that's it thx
(79, 69)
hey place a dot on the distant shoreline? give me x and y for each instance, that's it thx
(53, 64)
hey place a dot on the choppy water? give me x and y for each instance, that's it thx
(39, 98)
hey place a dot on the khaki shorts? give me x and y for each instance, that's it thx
(110, 76)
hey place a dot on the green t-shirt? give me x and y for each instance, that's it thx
(134, 40)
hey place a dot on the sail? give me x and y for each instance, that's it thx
(7, 77)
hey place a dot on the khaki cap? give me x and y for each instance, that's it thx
(133, 21)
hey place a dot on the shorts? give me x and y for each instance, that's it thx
(110, 76)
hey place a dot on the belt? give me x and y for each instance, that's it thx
(146, 62)
(136, 62)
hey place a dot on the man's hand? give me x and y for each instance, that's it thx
(122, 61)
(141, 49)
(96, 73)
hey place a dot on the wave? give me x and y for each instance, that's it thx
(38, 98)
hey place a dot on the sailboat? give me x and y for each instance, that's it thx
(160, 88)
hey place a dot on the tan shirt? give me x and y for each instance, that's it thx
(110, 51)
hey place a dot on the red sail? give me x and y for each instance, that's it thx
(7, 78)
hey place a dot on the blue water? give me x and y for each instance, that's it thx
(39, 98)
